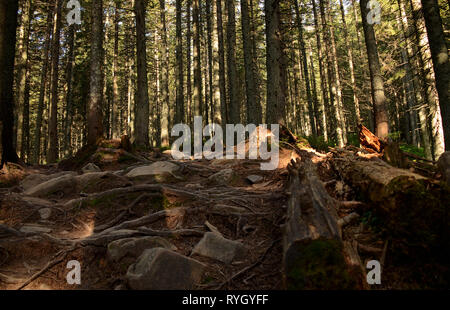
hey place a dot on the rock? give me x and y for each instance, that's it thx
(45, 213)
(223, 177)
(194, 186)
(94, 182)
(254, 179)
(443, 164)
(37, 202)
(35, 228)
(64, 184)
(160, 171)
(34, 180)
(159, 167)
(134, 247)
(162, 269)
(217, 247)
(90, 168)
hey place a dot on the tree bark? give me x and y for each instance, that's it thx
(222, 81)
(234, 116)
(376, 77)
(254, 113)
(164, 77)
(141, 124)
(198, 92)
(52, 154)
(441, 64)
(95, 104)
(179, 110)
(275, 65)
(8, 25)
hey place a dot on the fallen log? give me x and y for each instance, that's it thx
(312, 246)
(411, 209)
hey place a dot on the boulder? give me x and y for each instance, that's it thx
(132, 248)
(219, 248)
(94, 182)
(162, 269)
(223, 177)
(159, 171)
(64, 184)
(35, 228)
(35, 179)
(90, 168)
(444, 166)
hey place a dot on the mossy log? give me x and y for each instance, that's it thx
(312, 247)
(412, 209)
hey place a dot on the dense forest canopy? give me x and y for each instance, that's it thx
(85, 70)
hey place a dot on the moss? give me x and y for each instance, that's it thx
(319, 265)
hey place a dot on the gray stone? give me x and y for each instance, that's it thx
(65, 184)
(157, 168)
(134, 247)
(45, 213)
(254, 179)
(223, 177)
(93, 182)
(162, 269)
(35, 228)
(90, 168)
(217, 247)
(34, 180)
(443, 164)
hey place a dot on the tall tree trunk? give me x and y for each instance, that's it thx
(52, 155)
(42, 89)
(323, 79)
(441, 64)
(376, 77)
(189, 62)
(275, 66)
(69, 91)
(198, 92)
(254, 113)
(8, 25)
(209, 38)
(141, 124)
(222, 81)
(22, 101)
(312, 109)
(179, 110)
(333, 73)
(233, 107)
(115, 99)
(351, 65)
(95, 103)
(426, 74)
(164, 77)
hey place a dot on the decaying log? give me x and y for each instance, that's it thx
(312, 246)
(412, 209)
(369, 141)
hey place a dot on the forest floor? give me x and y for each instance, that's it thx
(77, 218)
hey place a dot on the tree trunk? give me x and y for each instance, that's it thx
(376, 77)
(198, 92)
(275, 65)
(95, 104)
(311, 234)
(115, 99)
(141, 124)
(254, 113)
(234, 116)
(42, 90)
(351, 65)
(52, 154)
(441, 64)
(164, 77)
(313, 112)
(8, 25)
(222, 81)
(179, 110)
(69, 91)
(323, 81)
